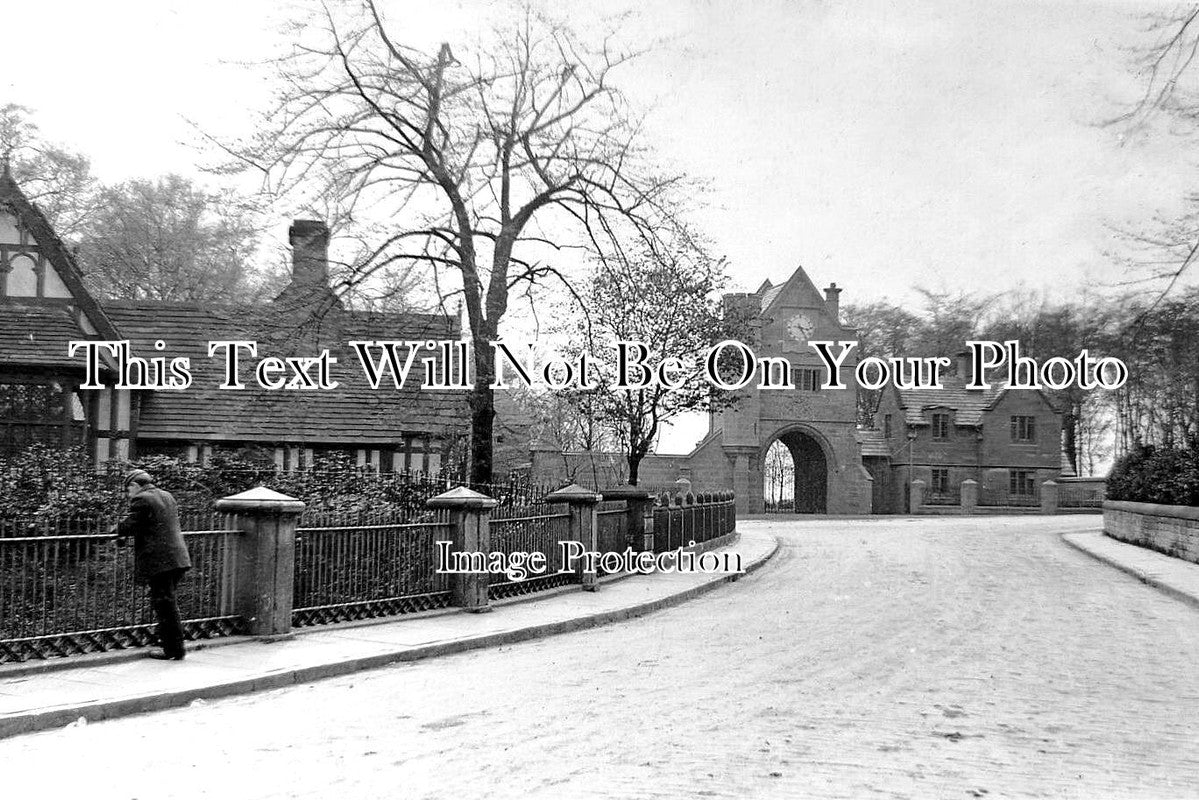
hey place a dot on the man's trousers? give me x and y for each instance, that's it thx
(162, 599)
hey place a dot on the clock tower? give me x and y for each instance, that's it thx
(816, 426)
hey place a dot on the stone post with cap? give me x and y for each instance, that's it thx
(1049, 497)
(639, 523)
(917, 495)
(265, 559)
(470, 516)
(583, 526)
(969, 499)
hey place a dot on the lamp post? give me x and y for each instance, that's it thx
(911, 457)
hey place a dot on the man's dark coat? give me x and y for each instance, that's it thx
(153, 522)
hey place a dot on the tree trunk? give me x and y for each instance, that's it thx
(482, 418)
(634, 462)
(1070, 426)
(482, 414)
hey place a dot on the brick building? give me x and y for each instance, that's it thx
(44, 305)
(1007, 441)
(818, 427)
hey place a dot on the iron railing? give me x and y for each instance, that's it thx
(66, 586)
(1002, 496)
(360, 566)
(693, 519)
(538, 528)
(1091, 496)
(947, 497)
(66, 594)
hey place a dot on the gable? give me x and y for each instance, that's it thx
(35, 267)
(798, 292)
(1021, 402)
(796, 312)
(43, 302)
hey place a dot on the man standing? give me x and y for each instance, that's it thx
(160, 554)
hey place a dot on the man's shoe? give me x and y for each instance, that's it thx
(161, 656)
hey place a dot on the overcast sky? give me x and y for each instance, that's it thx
(881, 145)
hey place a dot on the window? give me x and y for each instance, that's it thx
(49, 413)
(940, 480)
(22, 276)
(807, 380)
(940, 426)
(1022, 482)
(1024, 429)
(887, 426)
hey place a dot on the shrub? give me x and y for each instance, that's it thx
(1156, 475)
(53, 481)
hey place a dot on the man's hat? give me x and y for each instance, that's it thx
(138, 475)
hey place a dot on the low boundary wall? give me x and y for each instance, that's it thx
(1173, 530)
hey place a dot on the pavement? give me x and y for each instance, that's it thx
(1175, 577)
(73, 691)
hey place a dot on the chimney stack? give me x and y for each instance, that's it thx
(963, 365)
(309, 253)
(832, 299)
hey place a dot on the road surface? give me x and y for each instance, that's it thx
(955, 658)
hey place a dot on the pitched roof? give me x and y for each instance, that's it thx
(968, 403)
(872, 442)
(56, 253)
(38, 335)
(353, 412)
(807, 292)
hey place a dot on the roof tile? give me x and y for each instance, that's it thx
(353, 412)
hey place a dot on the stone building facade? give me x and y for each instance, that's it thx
(818, 427)
(1008, 442)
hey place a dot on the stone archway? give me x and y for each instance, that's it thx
(808, 476)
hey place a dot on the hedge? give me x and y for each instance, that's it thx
(55, 482)
(1156, 475)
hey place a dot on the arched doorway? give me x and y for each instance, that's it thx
(795, 475)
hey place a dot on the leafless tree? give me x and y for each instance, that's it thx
(779, 473)
(484, 161)
(1169, 66)
(669, 301)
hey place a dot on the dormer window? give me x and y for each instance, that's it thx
(940, 425)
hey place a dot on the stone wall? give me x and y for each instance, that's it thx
(1173, 530)
(603, 470)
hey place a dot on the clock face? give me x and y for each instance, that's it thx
(800, 327)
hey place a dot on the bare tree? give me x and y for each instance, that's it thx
(941, 326)
(470, 156)
(779, 474)
(668, 300)
(1169, 67)
(1159, 404)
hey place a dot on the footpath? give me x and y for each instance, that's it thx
(1175, 577)
(48, 694)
